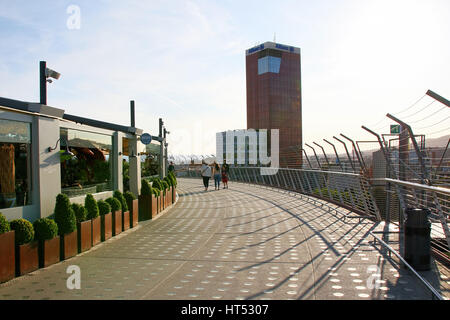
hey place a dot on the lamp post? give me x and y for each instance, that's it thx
(44, 74)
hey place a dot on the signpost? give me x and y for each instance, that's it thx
(395, 129)
(146, 138)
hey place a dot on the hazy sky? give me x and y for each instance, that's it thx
(184, 61)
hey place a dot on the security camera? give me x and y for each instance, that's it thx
(49, 73)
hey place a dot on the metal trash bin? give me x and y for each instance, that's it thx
(417, 247)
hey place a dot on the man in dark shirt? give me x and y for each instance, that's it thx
(171, 167)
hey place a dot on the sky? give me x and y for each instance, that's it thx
(184, 61)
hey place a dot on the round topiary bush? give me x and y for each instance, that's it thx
(91, 206)
(64, 215)
(24, 232)
(129, 196)
(114, 203)
(45, 229)
(103, 207)
(165, 186)
(157, 184)
(146, 189)
(119, 196)
(4, 224)
(156, 192)
(172, 177)
(80, 212)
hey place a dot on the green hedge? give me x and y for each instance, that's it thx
(64, 215)
(119, 196)
(103, 207)
(4, 224)
(129, 196)
(45, 229)
(91, 206)
(80, 212)
(146, 189)
(24, 232)
(114, 203)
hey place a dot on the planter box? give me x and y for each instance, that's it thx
(174, 194)
(125, 220)
(170, 196)
(160, 203)
(27, 258)
(84, 232)
(96, 231)
(7, 256)
(69, 245)
(134, 212)
(106, 226)
(49, 252)
(145, 207)
(117, 223)
(154, 206)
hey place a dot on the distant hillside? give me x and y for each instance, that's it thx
(437, 142)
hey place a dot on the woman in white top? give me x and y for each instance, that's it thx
(206, 174)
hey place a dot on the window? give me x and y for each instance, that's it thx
(269, 64)
(15, 164)
(90, 170)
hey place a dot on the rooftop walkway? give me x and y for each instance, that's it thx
(246, 242)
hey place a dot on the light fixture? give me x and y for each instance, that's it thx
(65, 153)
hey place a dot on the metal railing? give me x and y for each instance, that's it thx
(428, 286)
(348, 190)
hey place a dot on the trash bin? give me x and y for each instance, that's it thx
(417, 238)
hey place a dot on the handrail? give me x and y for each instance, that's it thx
(418, 186)
(425, 282)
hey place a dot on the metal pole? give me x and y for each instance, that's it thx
(324, 154)
(132, 114)
(439, 98)
(307, 158)
(43, 82)
(161, 149)
(416, 147)
(356, 151)
(315, 154)
(348, 155)
(335, 151)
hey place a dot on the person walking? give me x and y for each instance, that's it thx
(225, 170)
(217, 176)
(206, 174)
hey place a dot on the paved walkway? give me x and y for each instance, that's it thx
(246, 242)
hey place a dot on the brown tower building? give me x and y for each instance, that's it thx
(274, 96)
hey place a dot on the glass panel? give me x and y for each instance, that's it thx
(15, 164)
(269, 64)
(15, 131)
(90, 169)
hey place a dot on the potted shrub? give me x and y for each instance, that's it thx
(27, 255)
(133, 205)
(84, 228)
(104, 210)
(158, 185)
(116, 209)
(67, 226)
(125, 212)
(145, 201)
(93, 214)
(46, 233)
(169, 190)
(156, 203)
(174, 186)
(7, 251)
